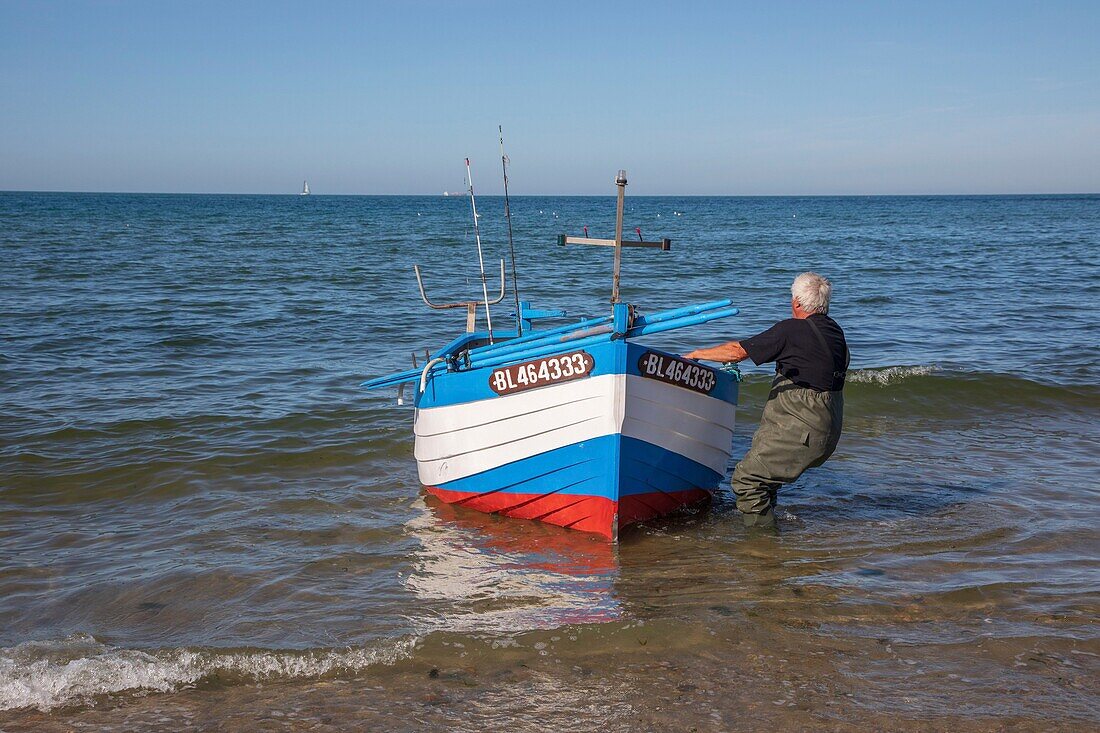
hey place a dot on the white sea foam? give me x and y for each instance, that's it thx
(889, 375)
(46, 675)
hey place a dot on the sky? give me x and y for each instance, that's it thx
(692, 98)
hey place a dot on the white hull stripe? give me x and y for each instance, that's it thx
(457, 441)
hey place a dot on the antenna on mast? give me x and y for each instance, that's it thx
(511, 245)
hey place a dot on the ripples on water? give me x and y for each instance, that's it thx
(205, 522)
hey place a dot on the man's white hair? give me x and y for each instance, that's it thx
(812, 292)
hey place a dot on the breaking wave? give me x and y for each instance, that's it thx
(889, 375)
(932, 391)
(78, 669)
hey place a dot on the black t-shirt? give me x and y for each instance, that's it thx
(798, 354)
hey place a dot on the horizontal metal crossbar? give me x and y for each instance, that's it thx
(664, 244)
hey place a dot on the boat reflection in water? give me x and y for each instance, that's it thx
(485, 573)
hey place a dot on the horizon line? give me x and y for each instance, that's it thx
(558, 195)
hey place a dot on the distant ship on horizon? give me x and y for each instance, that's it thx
(454, 193)
(305, 189)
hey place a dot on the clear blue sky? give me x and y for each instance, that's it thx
(691, 98)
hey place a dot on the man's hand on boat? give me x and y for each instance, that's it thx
(731, 351)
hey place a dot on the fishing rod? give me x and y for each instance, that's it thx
(480, 258)
(511, 244)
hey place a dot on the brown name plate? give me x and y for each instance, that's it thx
(541, 372)
(681, 372)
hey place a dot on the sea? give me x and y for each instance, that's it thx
(206, 523)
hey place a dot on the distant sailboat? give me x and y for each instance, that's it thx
(458, 194)
(305, 189)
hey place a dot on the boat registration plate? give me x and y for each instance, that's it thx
(541, 372)
(681, 372)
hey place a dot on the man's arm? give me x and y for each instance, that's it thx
(729, 351)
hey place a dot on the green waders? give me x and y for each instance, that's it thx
(799, 429)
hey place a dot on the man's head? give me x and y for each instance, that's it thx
(810, 294)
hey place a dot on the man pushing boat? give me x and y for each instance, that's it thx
(804, 414)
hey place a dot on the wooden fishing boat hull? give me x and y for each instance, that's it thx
(593, 439)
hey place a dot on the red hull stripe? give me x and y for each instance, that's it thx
(586, 513)
(640, 507)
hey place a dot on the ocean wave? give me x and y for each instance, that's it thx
(932, 391)
(889, 375)
(78, 669)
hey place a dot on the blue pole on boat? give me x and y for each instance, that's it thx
(695, 320)
(528, 314)
(537, 351)
(539, 335)
(685, 311)
(620, 313)
(542, 349)
(551, 340)
(593, 327)
(576, 339)
(524, 305)
(511, 346)
(391, 379)
(500, 348)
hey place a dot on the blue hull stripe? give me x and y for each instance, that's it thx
(588, 469)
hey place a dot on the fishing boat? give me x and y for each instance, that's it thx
(305, 189)
(578, 425)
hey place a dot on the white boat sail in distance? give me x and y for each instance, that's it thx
(305, 189)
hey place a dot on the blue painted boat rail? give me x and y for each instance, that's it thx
(689, 310)
(539, 350)
(645, 329)
(591, 327)
(576, 335)
(541, 335)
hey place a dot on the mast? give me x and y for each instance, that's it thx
(620, 182)
(618, 242)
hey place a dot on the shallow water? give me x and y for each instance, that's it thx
(204, 522)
